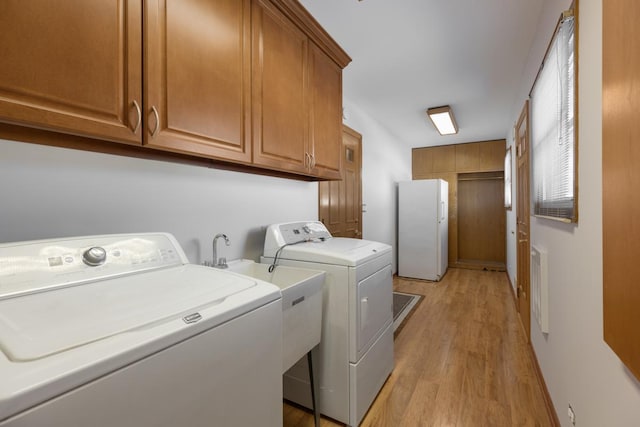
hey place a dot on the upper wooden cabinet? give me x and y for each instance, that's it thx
(297, 93)
(487, 156)
(255, 82)
(280, 80)
(197, 77)
(73, 67)
(444, 158)
(325, 146)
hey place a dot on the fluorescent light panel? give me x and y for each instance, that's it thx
(443, 120)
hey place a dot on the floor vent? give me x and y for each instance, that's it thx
(540, 288)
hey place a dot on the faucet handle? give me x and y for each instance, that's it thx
(222, 263)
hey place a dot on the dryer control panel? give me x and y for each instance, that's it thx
(41, 265)
(290, 233)
(294, 232)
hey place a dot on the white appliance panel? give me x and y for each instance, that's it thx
(41, 265)
(200, 391)
(369, 374)
(422, 218)
(41, 324)
(322, 249)
(334, 350)
(374, 308)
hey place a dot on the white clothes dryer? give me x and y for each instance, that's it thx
(356, 349)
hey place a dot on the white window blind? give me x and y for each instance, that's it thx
(552, 129)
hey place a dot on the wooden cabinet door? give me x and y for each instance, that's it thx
(468, 157)
(280, 87)
(621, 179)
(444, 158)
(197, 75)
(325, 81)
(72, 66)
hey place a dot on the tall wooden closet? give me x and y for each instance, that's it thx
(475, 173)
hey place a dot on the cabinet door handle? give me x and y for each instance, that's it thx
(307, 160)
(313, 160)
(139, 113)
(155, 113)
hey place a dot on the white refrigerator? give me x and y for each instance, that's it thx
(423, 222)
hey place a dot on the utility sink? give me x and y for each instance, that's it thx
(301, 305)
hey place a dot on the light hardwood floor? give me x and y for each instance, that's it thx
(461, 360)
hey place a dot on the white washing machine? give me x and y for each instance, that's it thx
(356, 350)
(120, 330)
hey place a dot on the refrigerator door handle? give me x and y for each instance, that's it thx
(441, 210)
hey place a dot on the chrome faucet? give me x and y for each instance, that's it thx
(222, 261)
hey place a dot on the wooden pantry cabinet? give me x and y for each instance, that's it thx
(253, 82)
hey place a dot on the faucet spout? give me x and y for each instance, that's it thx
(222, 261)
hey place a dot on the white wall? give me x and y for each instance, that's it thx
(48, 192)
(578, 366)
(385, 161)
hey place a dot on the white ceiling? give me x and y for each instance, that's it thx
(410, 55)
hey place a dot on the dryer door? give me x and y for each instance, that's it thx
(374, 307)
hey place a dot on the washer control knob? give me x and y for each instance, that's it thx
(94, 256)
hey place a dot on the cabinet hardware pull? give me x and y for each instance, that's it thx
(155, 113)
(313, 160)
(139, 113)
(307, 160)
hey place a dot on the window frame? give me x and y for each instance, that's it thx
(570, 204)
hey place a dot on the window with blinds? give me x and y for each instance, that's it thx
(553, 137)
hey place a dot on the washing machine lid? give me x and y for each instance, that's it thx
(335, 250)
(34, 326)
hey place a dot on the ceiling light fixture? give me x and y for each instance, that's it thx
(443, 120)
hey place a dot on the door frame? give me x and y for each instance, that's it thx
(523, 217)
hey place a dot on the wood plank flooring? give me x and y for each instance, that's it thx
(461, 359)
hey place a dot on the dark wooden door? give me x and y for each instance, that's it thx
(523, 207)
(73, 66)
(340, 202)
(197, 93)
